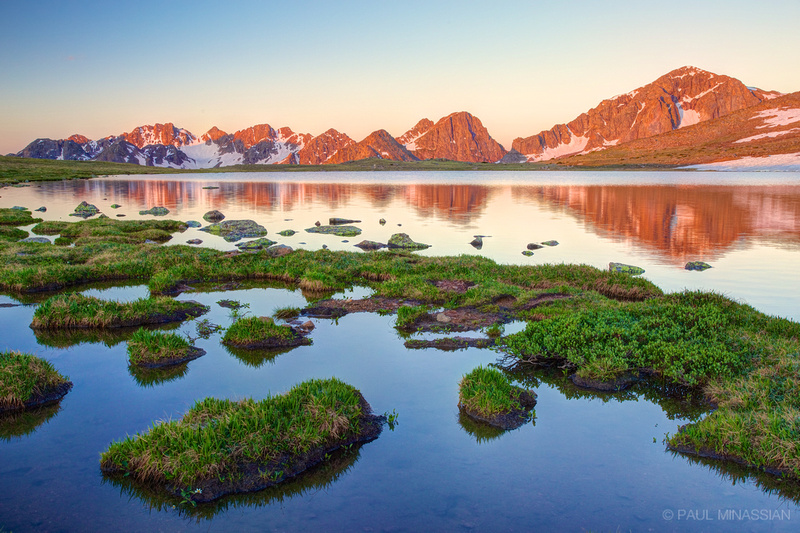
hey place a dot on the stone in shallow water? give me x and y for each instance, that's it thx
(257, 244)
(155, 211)
(625, 269)
(194, 241)
(287, 233)
(550, 243)
(339, 231)
(214, 216)
(370, 245)
(40, 240)
(335, 221)
(41, 209)
(192, 224)
(234, 230)
(527, 253)
(697, 265)
(403, 241)
(115, 206)
(477, 242)
(534, 246)
(85, 210)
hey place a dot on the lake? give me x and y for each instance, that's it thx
(588, 460)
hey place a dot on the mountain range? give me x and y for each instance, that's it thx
(684, 108)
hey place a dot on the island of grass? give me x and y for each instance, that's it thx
(73, 311)
(16, 217)
(487, 395)
(262, 332)
(221, 447)
(27, 381)
(158, 349)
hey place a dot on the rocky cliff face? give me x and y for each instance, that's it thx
(459, 136)
(166, 134)
(681, 98)
(379, 144)
(321, 148)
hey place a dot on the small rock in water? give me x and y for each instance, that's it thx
(287, 233)
(213, 216)
(324, 246)
(345, 240)
(192, 224)
(370, 245)
(382, 221)
(155, 211)
(625, 269)
(334, 221)
(211, 187)
(120, 215)
(39, 240)
(115, 206)
(41, 209)
(402, 240)
(194, 241)
(477, 242)
(697, 265)
(317, 223)
(306, 326)
(85, 210)
(534, 246)
(527, 253)
(550, 243)
(234, 230)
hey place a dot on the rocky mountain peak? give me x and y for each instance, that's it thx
(459, 136)
(166, 134)
(212, 135)
(379, 144)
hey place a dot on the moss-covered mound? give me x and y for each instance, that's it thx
(16, 217)
(85, 210)
(234, 230)
(155, 349)
(262, 332)
(486, 394)
(65, 311)
(404, 242)
(221, 446)
(28, 381)
(107, 230)
(157, 211)
(339, 231)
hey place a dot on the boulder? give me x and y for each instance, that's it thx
(477, 242)
(213, 216)
(339, 231)
(234, 230)
(194, 241)
(625, 269)
(534, 246)
(41, 209)
(333, 221)
(155, 211)
(192, 224)
(370, 245)
(258, 244)
(404, 242)
(279, 250)
(527, 253)
(550, 243)
(85, 210)
(697, 265)
(287, 233)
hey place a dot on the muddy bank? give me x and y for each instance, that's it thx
(40, 398)
(450, 344)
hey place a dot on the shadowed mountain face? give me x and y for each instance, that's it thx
(679, 99)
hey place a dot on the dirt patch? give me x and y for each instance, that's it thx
(453, 285)
(510, 420)
(450, 344)
(337, 308)
(191, 354)
(460, 319)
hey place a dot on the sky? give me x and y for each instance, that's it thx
(104, 68)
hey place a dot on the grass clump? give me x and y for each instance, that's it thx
(75, 310)
(156, 348)
(286, 313)
(16, 217)
(11, 234)
(487, 394)
(223, 446)
(261, 332)
(27, 381)
(408, 315)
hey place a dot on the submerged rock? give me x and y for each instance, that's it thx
(194, 241)
(258, 244)
(527, 253)
(214, 216)
(115, 206)
(534, 246)
(339, 231)
(157, 211)
(234, 230)
(625, 269)
(287, 233)
(697, 265)
(192, 224)
(403, 241)
(477, 242)
(382, 221)
(40, 240)
(334, 221)
(85, 210)
(41, 209)
(370, 245)
(550, 243)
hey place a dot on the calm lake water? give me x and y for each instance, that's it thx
(588, 461)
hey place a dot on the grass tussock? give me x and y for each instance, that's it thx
(220, 439)
(488, 392)
(26, 379)
(147, 347)
(253, 331)
(16, 217)
(75, 310)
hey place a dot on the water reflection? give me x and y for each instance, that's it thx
(65, 338)
(316, 479)
(150, 377)
(257, 358)
(481, 432)
(17, 424)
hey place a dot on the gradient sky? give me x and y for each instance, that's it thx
(103, 68)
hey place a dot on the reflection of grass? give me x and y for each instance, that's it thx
(482, 432)
(64, 338)
(259, 357)
(150, 377)
(25, 378)
(318, 478)
(19, 423)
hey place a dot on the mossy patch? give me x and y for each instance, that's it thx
(16, 217)
(157, 211)
(28, 381)
(234, 230)
(404, 242)
(486, 394)
(262, 332)
(339, 231)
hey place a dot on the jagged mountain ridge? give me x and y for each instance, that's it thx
(680, 98)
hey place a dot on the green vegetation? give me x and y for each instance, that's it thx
(79, 311)
(155, 348)
(487, 392)
(12, 234)
(339, 231)
(261, 332)
(107, 230)
(220, 445)
(19, 169)
(286, 313)
(27, 380)
(16, 217)
(408, 315)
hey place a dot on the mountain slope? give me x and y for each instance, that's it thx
(679, 99)
(379, 144)
(769, 128)
(458, 136)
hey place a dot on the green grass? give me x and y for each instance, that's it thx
(488, 392)
(407, 315)
(107, 230)
(154, 347)
(79, 311)
(25, 377)
(286, 313)
(19, 169)
(12, 234)
(218, 439)
(16, 217)
(253, 330)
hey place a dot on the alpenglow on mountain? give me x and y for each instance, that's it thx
(677, 100)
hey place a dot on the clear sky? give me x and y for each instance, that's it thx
(103, 68)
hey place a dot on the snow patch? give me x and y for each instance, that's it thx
(770, 163)
(765, 135)
(702, 94)
(689, 117)
(778, 117)
(576, 145)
